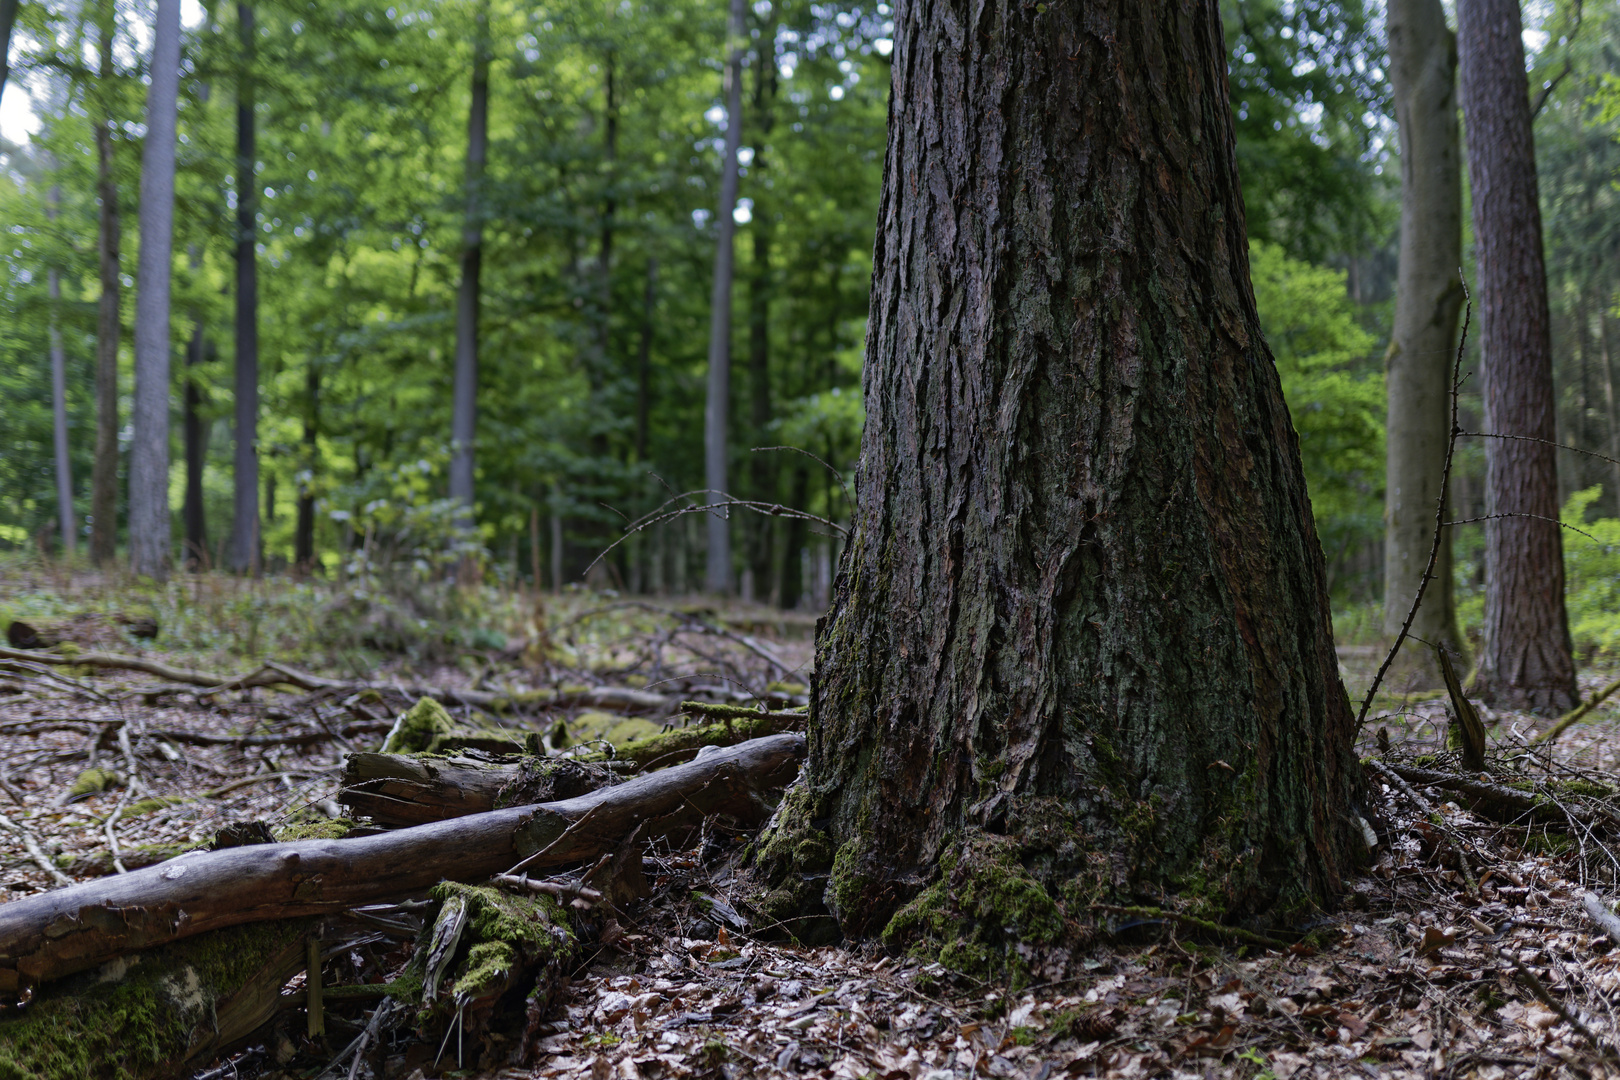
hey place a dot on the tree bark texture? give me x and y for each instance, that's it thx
(149, 526)
(104, 469)
(55, 934)
(1527, 659)
(193, 516)
(464, 415)
(1084, 604)
(1428, 298)
(245, 528)
(717, 408)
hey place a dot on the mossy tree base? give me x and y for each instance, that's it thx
(1079, 648)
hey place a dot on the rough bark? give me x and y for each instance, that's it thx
(1428, 297)
(55, 934)
(149, 526)
(245, 528)
(1079, 645)
(104, 470)
(1527, 659)
(402, 789)
(717, 408)
(464, 415)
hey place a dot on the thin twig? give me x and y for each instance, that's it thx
(35, 852)
(1439, 511)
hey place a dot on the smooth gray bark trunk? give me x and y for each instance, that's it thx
(1527, 660)
(149, 525)
(1428, 298)
(245, 528)
(104, 468)
(1079, 645)
(717, 408)
(464, 408)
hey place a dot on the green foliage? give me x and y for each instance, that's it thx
(1591, 575)
(1335, 394)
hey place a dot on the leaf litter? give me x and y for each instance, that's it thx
(1463, 951)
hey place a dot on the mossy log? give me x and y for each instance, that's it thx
(683, 744)
(150, 1015)
(56, 934)
(398, 789)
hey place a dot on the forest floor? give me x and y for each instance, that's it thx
(1463, 952)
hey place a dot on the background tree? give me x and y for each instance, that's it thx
(1083, 567)
(1423, 74)
(149, 526)
(104, 477)
(465, 407)
(716, 412)
(1526, 660)
(245, 528)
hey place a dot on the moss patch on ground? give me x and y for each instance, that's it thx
(420, 729)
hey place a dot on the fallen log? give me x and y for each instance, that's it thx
(616, 698)
(56, 934)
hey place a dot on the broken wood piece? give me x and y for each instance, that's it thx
(1599, 912)
(55, 934)
(398, 789)
(562, 890)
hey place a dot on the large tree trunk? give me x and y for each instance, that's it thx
(1079, 648)
(1423, 73)
(1527, 660)
(104, 469)
(245, 528)
(717, 409)
(149, 527)
(464, 408)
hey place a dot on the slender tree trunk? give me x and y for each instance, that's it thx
(718, 407)
(763, 466)
(304, 529)
(245, 529)
(792, 573)
(1428, 297)
(149, 526)
(1609, 404)
(59, 423)
(649, 305)
(464, 416)
(610, 206)
(1527, 661)
(104, 469)
(196, 444)
(8, 16)
(1079, 647)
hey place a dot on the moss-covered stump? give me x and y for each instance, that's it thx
(513, 953)
(149, 1014)
(427, 728)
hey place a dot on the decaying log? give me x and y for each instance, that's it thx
(398, 789)
(56, 934)
(148, 1016)
(682, 744)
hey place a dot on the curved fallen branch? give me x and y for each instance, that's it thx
(55, 934)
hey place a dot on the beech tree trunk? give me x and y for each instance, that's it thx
(104, 469)
(1081, 625)
(1527, 661)
(717, 408)
(464, 414)
(149, 526)
(1428, 298)
(763, 466)
(245, 528)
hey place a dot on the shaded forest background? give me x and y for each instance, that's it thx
(606, 137)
